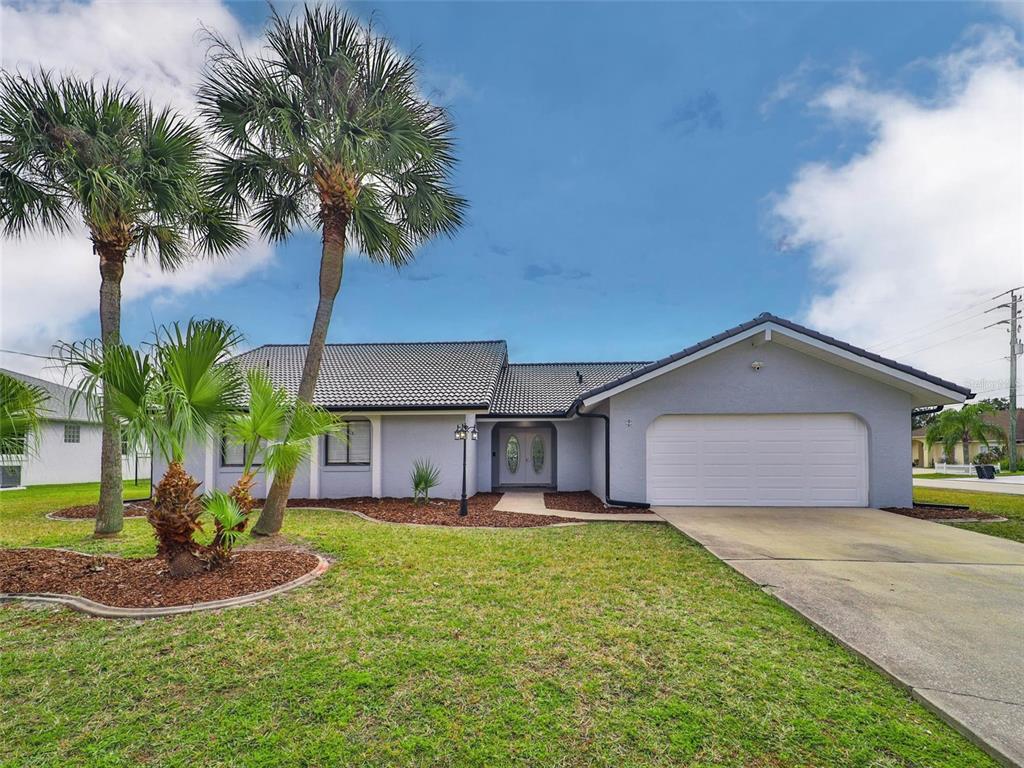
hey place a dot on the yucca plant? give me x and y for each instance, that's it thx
(184, 389)
(325, 128)
(74, 151)
(424, 477)
(22, 406)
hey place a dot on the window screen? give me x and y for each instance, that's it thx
(353, 444)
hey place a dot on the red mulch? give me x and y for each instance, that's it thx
(925, 512)
(144, 583)
(584, 501)
(88, 511)
(435, 512)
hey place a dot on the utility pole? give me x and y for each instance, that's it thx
(1013, 381)
(1016, 348)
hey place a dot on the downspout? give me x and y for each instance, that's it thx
(608, 462)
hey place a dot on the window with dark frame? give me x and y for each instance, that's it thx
(351, 447)
(234, 454)
(72, 433)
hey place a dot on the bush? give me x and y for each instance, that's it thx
(993, 455)
(424, 477)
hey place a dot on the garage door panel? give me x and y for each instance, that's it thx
(760, 459)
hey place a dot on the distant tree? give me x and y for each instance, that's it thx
(326, 129)
(998, 403)
(919, 420)
(963, 425)
(74, 151)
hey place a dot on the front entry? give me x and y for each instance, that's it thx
(524, 456)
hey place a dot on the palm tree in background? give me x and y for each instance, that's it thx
(327, 130)
(73, 151)
(963, 425)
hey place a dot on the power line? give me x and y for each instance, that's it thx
(927, 327)
(27, 354)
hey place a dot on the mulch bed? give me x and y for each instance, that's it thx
(435, 512)
(928, 512)
(144, 583)
(88, 511)
(584, 501)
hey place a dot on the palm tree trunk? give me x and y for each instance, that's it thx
(110, 516)
(967, 449)
(332, 266)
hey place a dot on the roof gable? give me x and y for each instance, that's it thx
(926, 389)
(58, 405)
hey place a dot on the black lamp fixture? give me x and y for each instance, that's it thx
(465, 434)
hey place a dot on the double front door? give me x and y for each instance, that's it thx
(524, 457)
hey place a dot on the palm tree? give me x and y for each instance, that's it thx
(963, 426)
(74, 151)
(21, 411)
(181, 392)
(327, 130)
(276, 431)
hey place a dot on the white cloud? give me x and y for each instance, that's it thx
(927, 221)
(50, 284)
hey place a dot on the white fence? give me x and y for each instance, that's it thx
(956, 469)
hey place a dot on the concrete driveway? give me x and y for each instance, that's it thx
(939, 609)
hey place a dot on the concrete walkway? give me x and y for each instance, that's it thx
(1012, 485)
(939, 609)
(532, 503)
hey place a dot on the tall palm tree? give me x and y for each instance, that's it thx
(74, 151)
(327, 130)
(963, 425)
(181, 392)
(22, 406)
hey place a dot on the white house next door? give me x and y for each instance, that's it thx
(524, 456)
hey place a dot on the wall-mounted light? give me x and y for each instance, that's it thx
(757, 365)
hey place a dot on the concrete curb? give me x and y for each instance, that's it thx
(84, 605)
(54, 516)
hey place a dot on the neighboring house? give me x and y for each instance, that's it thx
(67, 449)
(923, 456)
(766, 413)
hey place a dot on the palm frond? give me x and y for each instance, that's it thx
(22, 407)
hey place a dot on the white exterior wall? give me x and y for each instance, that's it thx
(55, 461)
(404, 439)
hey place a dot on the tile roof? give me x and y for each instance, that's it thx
(58, 405)
(767, 317)
(548, 389)
(398, 376)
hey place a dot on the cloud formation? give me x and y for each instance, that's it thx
(50, 284)
(910, 238)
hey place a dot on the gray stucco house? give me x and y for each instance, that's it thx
(766, 413)
(67, 448)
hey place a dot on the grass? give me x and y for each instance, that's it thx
(599, 645)
(1006, 505)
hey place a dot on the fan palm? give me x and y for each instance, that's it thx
(327, 130)
(277, 431)
(180, 392)
(73, 151)
(963, 426)
(21, 411)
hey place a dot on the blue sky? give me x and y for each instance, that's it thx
(623, 165)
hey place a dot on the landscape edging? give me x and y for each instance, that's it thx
(85, 605)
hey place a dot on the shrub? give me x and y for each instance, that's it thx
(424, 477)
(993, 455)
(229, 519)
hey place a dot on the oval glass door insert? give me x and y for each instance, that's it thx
(537, 453)
(512, 454)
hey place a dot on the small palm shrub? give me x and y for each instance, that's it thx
(229, 519)
(424, 477)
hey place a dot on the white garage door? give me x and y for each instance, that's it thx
(786, 460)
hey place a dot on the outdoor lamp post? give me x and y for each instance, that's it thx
(464, 433)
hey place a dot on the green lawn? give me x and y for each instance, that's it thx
(600, 645)
(1005, 504)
